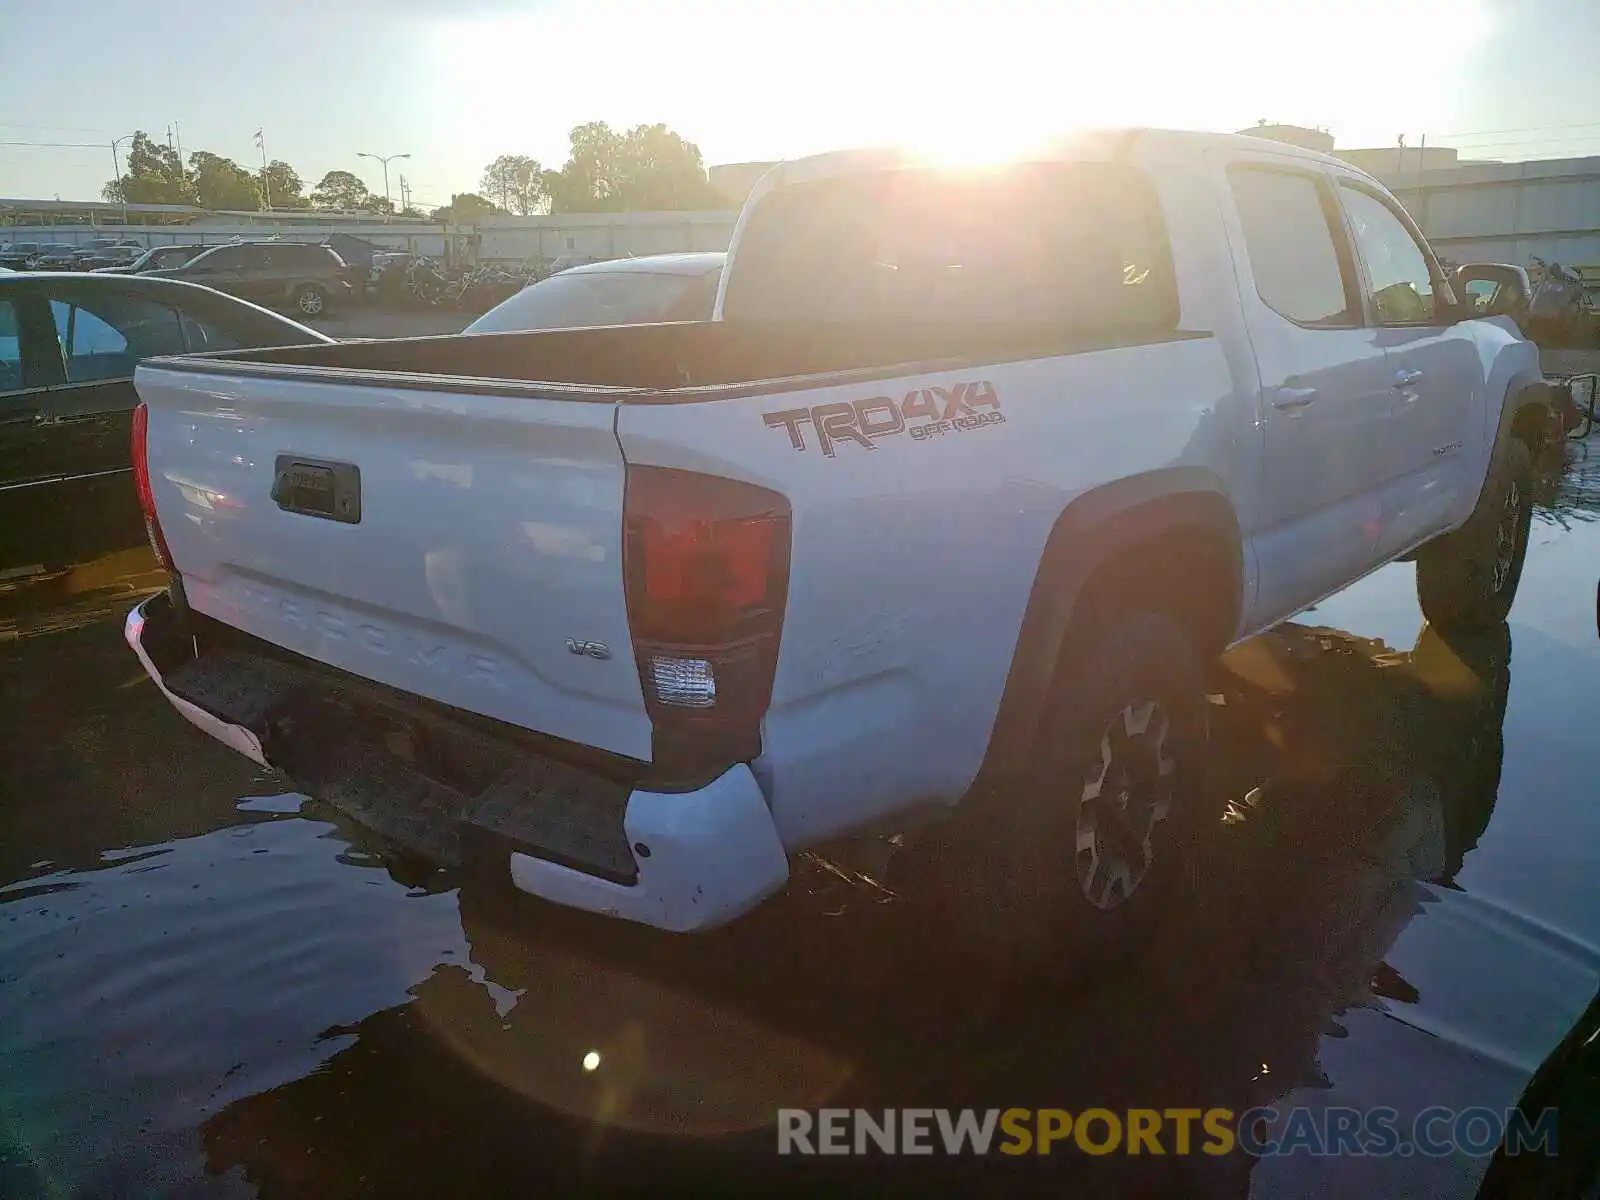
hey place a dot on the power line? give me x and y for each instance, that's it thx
(58, 145)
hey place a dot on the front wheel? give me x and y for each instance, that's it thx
(1075, 869)
(1467, 580)
(311, 301)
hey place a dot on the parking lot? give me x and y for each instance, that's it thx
(212, 986)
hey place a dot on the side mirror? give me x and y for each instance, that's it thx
(1492, 290)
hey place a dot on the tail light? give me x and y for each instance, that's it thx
(706, 562)
(141, 484)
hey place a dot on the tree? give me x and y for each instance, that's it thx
(648, 167)
(377, 204)
(340, 191)
(518, 182)
(221, 183)
(465, 207)
(284, 189)
(152, 174)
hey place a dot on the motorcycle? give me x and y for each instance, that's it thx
(1559, 313)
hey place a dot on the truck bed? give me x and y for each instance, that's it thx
(673, 362)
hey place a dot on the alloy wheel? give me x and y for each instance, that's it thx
(1127, 793)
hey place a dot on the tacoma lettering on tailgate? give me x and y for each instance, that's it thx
(924, 413)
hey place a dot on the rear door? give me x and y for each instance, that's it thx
(1436, 375)
(221, 269)
(102, 333)
(29, 364)
(1326, 396)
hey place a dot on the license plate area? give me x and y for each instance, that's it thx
(316, 487)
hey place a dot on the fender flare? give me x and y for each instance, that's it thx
(1086, 536)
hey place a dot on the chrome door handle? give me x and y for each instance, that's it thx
(1290, 399)
(1405, 379)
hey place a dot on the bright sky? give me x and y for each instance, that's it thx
(456, 83)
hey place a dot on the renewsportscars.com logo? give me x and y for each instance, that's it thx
(1260, 1132)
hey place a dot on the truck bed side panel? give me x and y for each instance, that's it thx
(914, 554)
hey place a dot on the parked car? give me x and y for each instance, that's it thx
(17, 255)
(68, 345)
(942, 516)
(158, 258)
(92, 248)
(626, 291)
(53, 256)
(111, 256)
(307, 278)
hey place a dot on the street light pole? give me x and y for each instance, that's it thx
(116, 166)
(384, 159)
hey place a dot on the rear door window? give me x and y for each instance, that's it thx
(1289, 225)
(104, 337)
(10, 348)
(1070, 245)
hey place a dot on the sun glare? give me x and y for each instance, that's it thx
(966, 82)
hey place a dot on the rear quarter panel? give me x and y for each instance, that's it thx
(913, 555)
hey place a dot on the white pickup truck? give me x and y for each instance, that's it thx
(934, 527)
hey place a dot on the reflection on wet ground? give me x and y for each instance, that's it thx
(208, 986)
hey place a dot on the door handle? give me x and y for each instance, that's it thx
(1405, 379)
(1292, 399)
(21, 416)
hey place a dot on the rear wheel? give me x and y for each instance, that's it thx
(1074, 869)
(311, 300)
(1467, 580)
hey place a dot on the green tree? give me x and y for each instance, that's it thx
(340, 191)
(151, 174)
(284, 188)
(465, 207)
(518, 183)
(648, 167)
(221, 183)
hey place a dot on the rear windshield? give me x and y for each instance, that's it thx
(1067, 244)
(587, 298)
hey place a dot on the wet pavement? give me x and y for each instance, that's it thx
(211, 986)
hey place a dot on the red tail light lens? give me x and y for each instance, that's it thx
(141, 484)
(706, 561)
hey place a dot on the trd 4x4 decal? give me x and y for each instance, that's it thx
(935, 411)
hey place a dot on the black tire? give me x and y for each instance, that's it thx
(1014, 883)
(1467, 580)
(310, 300)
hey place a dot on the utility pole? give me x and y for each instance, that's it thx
(405, 194)
(266, 182)
(116, 165)
(384, 159)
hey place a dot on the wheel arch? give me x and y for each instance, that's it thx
(1140, 537)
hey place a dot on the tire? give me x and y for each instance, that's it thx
(1467, 580)
(310, 300)
(1070, 873)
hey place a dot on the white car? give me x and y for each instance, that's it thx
(626, 291)
(932, 530)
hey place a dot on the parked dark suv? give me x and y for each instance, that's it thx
(296, 275)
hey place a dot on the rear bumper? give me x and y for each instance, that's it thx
(681, 861)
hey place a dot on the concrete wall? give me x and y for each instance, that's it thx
(1506, 212)
(427, 239)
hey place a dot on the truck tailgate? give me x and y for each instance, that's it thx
(446, 544)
